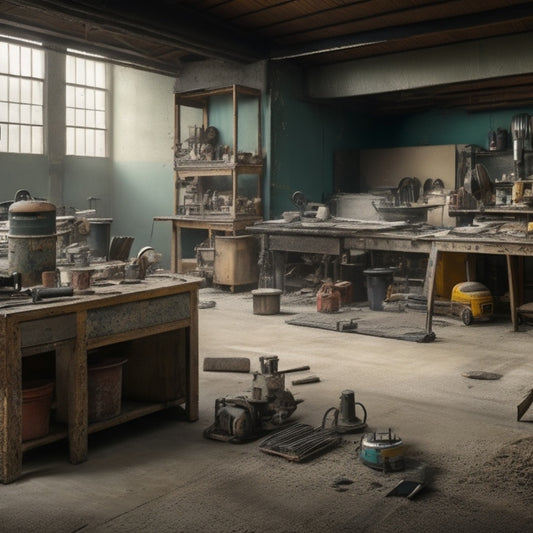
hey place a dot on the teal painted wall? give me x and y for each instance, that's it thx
(304, 137)
(22, 171)
(438, 127)
(86, 177)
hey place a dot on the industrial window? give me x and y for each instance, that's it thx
(21, 98)
(86, 106)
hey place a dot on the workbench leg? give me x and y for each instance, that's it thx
(512, 276)
(78, 411)
(279, 261)
(192, 365)
(430, 286)
(174, 246)
(10, 405)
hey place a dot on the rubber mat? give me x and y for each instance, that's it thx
(403, 326)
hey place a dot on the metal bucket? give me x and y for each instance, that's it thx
(104, 383)
(266, 301)
(32, 240)
(99, 237)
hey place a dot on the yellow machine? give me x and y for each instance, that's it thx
(471, 301)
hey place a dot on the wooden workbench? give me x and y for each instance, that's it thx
(335, 237)
(153, 323)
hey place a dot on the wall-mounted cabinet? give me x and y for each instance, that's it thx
(218, 158)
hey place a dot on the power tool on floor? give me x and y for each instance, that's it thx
(241, 418)
(471, 301)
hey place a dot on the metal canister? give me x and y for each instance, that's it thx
(383, 451)
(99, 237)
(32, 240)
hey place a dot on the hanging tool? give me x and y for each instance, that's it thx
(521, 131)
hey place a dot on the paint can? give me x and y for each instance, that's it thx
(32, 240)
(382, 451)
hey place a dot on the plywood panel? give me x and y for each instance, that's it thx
(386, 167)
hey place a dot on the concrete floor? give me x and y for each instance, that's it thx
(158, 474)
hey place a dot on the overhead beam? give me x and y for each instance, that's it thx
(369, 38)
(479, 60)
(170, 26)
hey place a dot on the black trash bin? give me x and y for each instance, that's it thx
(377, 282)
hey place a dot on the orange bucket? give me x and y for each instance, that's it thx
(36, 404)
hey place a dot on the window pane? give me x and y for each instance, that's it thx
(14, 113)
(4, 111)
(80, 117)
(89, 145)
(100, 75)
(3, 137)
(89, 98)
(71, 147)
(80, 71)
(90, 119)
(70, 71)
(14, 89)
(99, 100)
(25, 139)
(25, 114)
(14, 133)
(25, 61)
(25, 91)
(70, 101)
(14, 59)
(100, 120)
(37, 63)
(100, 150)
(91, 73)
(80, 97)
(80, 141)
(4, 58)
(3, 88)
(37, 115)
(37, 145)
(70, 117)
(37, 92)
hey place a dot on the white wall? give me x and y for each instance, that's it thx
(142, 157)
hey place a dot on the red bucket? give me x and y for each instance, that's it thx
(36, 403)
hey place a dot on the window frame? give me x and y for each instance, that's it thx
(78, 88)
(28, 110)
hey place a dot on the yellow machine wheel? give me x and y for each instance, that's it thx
(467, 317)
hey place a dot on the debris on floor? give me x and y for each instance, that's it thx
(481, 374)
(401, 326)
(406, 488)
(300, 442)
(208, 304)
(340, 483)
(227, 364)
(524, 405)
(305, 381)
